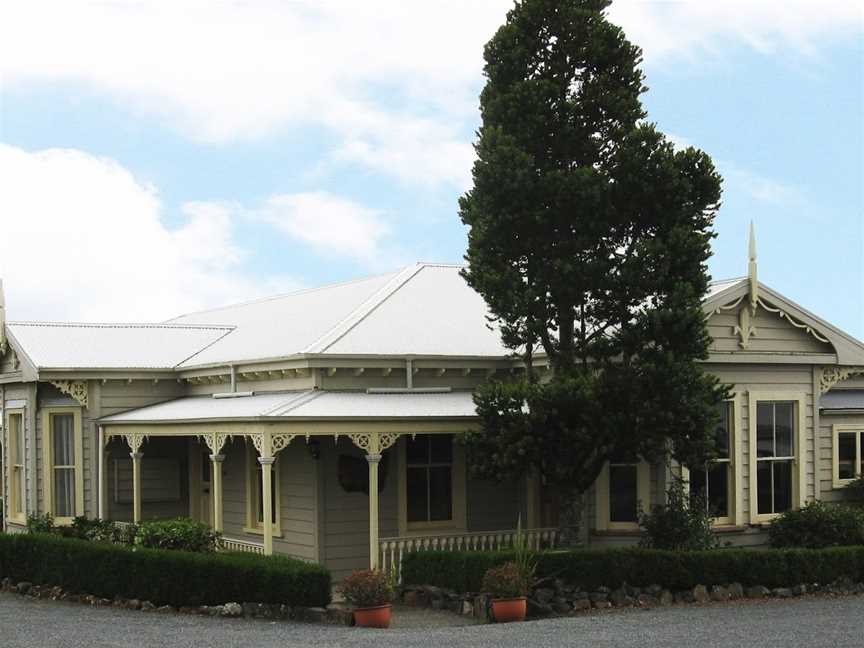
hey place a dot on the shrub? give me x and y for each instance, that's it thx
(506, 581)
(98, 530)
(855, 491)
(163, 577)
(818, 525)
(181, 534)
(683, 523)
(367, 588)
(40, 523)
(675, 570)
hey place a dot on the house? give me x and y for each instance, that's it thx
(321, 424)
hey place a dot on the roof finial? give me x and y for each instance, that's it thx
(751, 269)
(3, 343)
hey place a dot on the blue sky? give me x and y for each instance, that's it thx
(159, 158)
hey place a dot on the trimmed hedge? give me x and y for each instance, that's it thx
(163, 577)
(673, 570)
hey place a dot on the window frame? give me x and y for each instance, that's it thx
(48, 467)
(734, 517)
(603, 521)
(799, 459)
(253, 493)
(16, 494)
(458, 520)
(846, 428)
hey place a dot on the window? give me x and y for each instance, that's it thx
(63, 474)
(622, 488)
(713, 482)
(254, 500)
(848, 453)
(777, 457)
(429, 478)
(15, 458)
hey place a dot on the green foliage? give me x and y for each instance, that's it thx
(40, 523)
(367, 588)
(162, 577)
(675, 570)
(589, 235)
(525, 558)
(855, 491)
(818, 525)
(97, 530)
(181, 534)
(682, 524)
(506, 581)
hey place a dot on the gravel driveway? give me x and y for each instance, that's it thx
(814, 622)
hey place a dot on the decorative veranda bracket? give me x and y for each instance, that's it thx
(375, 443)
(134, 440)
(215, 441)
(278, 441)
(77, 389)
(832, 375)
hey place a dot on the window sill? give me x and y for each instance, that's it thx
(612, 533)
(728, 528)
(277, 532)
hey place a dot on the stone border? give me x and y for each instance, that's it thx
(556, 599)
(333, 614)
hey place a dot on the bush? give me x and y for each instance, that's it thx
(683, 523)
(674, 570)
(97, 530)
(367, 588)
(506, 581)
(818, 525)
(163, 577)
(855, 492)
(181, 534)
(40, 523)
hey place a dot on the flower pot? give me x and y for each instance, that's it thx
(373, 617)
(507, 610)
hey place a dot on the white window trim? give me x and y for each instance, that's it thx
(837, 429)
(253, 494)
(799, 462)
(736, 496)
(48, 461)
(602, 503)
(456, 524)
(14, 493)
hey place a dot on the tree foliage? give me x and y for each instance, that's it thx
(588, 238)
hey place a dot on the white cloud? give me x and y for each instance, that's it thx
(760, 188)
(82, 239)
(329, 224)
(396, 82)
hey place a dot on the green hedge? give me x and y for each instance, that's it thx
(674, 570)
(163, 577)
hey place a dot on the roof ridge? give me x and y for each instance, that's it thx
(369, 305)
(154, 325)
(206, 346)
(300, 291)
(299, 399)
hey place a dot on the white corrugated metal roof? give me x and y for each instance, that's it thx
(305, 405)
(111, 346)
(716, 287)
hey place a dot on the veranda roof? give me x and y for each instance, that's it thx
(842, 399)
(317, 405)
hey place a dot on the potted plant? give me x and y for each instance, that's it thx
(509, 587)
(370, 592)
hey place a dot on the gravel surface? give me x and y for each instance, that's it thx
(810, 622)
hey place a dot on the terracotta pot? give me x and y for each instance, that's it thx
(373, 617)
(507, 610)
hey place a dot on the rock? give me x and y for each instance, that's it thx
(250, 610)
(599, 596)
(438, 603)
(338, 614)
(620, 598)
(736, 591)
(719, 593)
(165, 609)
(654, 590)
(467, 608)
(632, 592)
(666, 598)
(560, 605)
(315, 614)
(24, 587)
(685, 596)
(56, 593)
(782, 592)
(188, 610)
(538, 609)
(601, 605)
(647, 600)
(7, 585)
(544, 595)
(413, 598)
(799, 590)
(700, 594)
(580, 604)
(483, 608)
(147, 606)
(232, 610)
(756, 592)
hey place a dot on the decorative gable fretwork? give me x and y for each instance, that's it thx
(77, 389)
(832, 375)
(746, 328)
